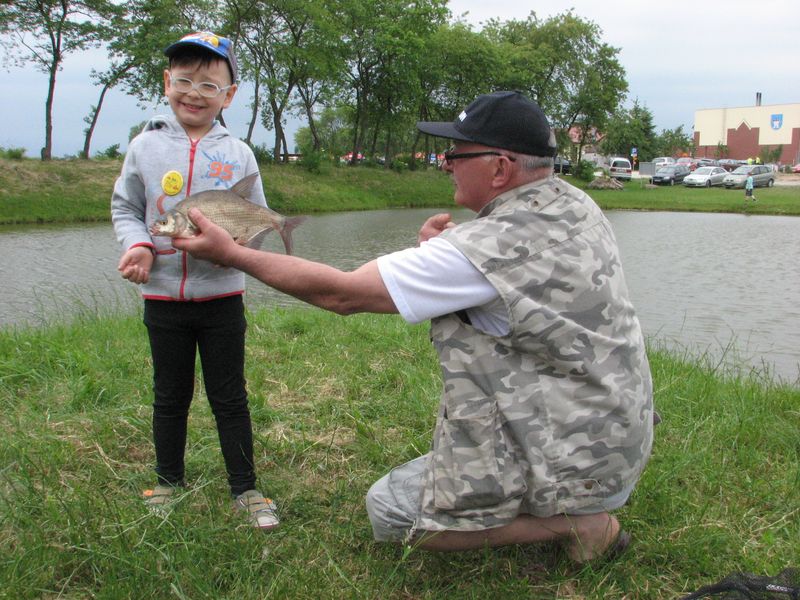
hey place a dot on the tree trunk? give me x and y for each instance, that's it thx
(253, 115)
(87, 141)
(47, 151)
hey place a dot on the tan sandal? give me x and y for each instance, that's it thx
(159, 497)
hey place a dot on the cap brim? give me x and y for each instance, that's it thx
(443, 129)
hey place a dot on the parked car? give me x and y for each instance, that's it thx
(562, 165)
(796, 168)
(708, 162)
(663, 161)
(730, 164)
(705, 177)
(671, 175)
(762, 176)
(688, 162)
(620, 168)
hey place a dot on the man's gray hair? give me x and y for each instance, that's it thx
(532, 163)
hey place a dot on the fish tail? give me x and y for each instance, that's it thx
(286, 231)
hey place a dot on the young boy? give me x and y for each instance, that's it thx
(190, 304)
(748, 189)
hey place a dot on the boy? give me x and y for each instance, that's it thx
(190, 304)
(748, 189)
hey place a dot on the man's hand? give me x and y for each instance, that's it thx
(135, 264)
(212, 242)
(434, 226)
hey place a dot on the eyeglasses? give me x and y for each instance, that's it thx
(205, 88)
(450, 156)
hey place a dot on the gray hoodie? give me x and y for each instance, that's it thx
(162, 166)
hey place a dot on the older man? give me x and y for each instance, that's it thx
(545, 419)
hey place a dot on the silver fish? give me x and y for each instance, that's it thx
(247, 223)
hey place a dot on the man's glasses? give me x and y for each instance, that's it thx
(205, 88)
(450, 156)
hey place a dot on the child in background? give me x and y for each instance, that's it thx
(190, 304)
(748, 189)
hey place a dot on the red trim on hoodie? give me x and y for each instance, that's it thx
(184, 255)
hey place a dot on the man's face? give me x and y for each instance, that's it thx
(196, 112)
(472, 177)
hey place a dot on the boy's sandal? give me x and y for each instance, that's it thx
(158, 497)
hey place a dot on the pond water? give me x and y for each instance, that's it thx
(725, 285)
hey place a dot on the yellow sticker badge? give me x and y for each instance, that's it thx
(172, 183)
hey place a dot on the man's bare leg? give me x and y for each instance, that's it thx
(584, 536)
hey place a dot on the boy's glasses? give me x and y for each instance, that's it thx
(450, 156)
(205, 88)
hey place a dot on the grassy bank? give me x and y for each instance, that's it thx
(33, 191)
(336, 402)
(62, 191)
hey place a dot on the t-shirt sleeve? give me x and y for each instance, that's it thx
(432, 280)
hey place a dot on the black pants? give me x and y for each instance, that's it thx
(217, 328)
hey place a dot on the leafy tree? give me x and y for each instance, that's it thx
(631, 129)
(674, 142)
(563, 65)
(43, 32)
(457, 65)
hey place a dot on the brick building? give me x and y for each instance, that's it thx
(748, 130)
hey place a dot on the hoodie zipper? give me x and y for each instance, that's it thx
(184, 254)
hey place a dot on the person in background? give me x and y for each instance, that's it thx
(189, 304)
(748, 189)
(545, 422)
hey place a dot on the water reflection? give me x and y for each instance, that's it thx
(726, 284)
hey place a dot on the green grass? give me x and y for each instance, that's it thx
(336, 402)
(65, 191)
(68, 191)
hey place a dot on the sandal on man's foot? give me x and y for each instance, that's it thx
(158, 498)
(612, 552)
(261, 512)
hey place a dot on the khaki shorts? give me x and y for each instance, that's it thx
(394, 501)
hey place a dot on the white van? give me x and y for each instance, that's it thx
(663, 161)
(620, 168)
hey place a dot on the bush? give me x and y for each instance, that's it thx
(112, 152)
(584, 170)
(262, 154)
(311, 161)
(12, 153)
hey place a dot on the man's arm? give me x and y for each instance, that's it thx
(342, 292)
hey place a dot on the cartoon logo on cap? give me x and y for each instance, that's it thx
(208, 38)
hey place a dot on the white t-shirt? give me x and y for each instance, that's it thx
(436, 279)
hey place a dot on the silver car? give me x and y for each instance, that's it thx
(705, 177)
(762, 176)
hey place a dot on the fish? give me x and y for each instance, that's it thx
(247, 223)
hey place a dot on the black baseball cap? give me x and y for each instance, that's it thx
(506, 120)
(216, 44)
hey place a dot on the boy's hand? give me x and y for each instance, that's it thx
(135, 264)
(211, 243)
(434, 226)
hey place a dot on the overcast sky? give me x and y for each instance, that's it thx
(679, 56)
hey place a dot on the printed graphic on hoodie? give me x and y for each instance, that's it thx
(220, 169)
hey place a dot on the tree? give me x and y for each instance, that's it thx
(457, 65)
(673, 142)
(43, 32)
(563, 65)
(631, 129)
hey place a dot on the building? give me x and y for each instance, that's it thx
(748, 130)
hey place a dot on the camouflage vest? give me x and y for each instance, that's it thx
(556, 415)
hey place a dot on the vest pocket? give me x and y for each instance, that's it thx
(473, 466)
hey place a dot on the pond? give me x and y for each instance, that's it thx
(722, 284)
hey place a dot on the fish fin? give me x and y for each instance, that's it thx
(286, 231)
(256, 241)
(244, 186)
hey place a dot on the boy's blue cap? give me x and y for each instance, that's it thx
(221, 46)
